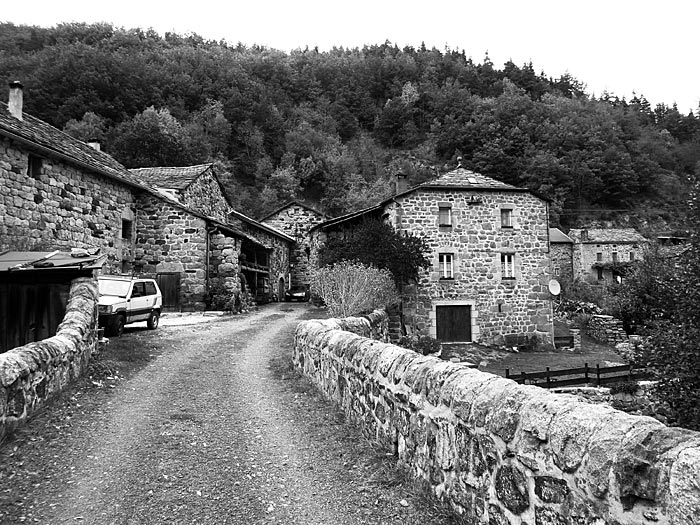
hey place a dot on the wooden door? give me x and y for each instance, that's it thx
(454, 323)
(169, 284)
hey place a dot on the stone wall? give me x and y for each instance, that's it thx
(61, 207)
(296, 221)
(606, 329)
(169, 239)
(561, 255)
(204, 195)
(503, 310)
(34, 373)
(503, 453)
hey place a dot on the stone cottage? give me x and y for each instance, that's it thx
(604, 253)
(490, 259)
(296, 220)
(60, 193)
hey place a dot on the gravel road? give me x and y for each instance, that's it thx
(214, 428)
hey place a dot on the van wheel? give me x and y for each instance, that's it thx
(117, 328)
(153, 320)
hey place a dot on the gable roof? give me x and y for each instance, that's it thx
(607, 236)
(558, 236)
(457, 179)
(177, 178)
(50, 141)
(288, 205)
(465, 179)
(260, 225)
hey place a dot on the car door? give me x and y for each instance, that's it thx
(139, 304)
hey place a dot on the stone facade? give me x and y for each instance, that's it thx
(169, 239)
(205, 196)
(499, 452)
(296, 220)
(32, 374)
(60, 206)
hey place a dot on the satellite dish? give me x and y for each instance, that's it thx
(554, 287)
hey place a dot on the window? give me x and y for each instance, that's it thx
(600, 274)
(34, 166)
(508, 266)
(631, 256)
(557, 270)
(445, 216)
(506, 218)
(150, 288)
(599, 256)
(446, 261)
(614, 255)
(126, 229)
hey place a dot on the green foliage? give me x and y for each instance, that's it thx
(375, 243)
(423, 344)
(351, 288)
(662, 296)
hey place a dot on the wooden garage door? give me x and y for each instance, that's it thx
(454, 323)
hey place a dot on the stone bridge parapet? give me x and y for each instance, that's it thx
(33, 373)
(498, 452)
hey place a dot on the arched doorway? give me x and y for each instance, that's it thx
(280, 290)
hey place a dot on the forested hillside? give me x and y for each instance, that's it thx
(333, 128)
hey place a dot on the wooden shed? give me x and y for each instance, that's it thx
(34, 290)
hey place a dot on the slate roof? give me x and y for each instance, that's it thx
(459, 178)
(177, 178)
(292, 203)
(466, 179)
(23, 261)
(556, 235)
(52, 141)
(608, 236)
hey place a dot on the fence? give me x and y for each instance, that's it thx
(597, 375)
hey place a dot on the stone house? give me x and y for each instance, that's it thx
(296, 220)
(490, 259)
(604, 254)
(57, 192)
(561, 250)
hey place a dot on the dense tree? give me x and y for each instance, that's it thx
(375, 243)
(343, 119)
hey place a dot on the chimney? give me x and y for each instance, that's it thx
(94, 144)
(401, 183)
(584, 235)
(15, 101)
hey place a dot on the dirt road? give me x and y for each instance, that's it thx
(205, 432)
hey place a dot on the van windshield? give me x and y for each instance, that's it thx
(117, 288)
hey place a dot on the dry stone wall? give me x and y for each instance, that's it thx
(606, 329)
(501, 307)
(36, 372)
(61, 207)
(502, 453)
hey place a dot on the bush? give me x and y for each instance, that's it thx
(423, 344)
(352, 288)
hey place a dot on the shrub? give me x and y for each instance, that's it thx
(351, 288)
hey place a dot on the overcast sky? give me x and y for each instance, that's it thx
(650, 47)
